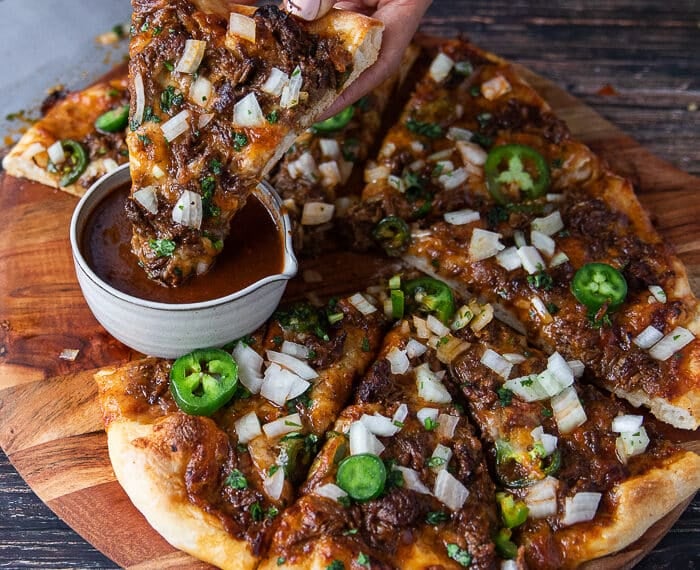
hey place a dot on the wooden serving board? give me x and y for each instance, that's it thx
(50, 422)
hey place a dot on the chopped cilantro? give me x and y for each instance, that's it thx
(459, 555)
(464, 68)
(148, 115)
(436, 517)
(281, 560)
(350, 532)
(365, 344)
(552, 308)
(273, 116)
(215, 166)
(430, 130)
(505, 396)
(256, 511)
(546, 412)
(336, 565)
(430, 424)
(162, 247)
(482, 140)
(436, 461)
(239, 140)
(272, 512)
(475, 90)
(236, 480)
(145, 139)
(170, 97)
(541, 280)
(169, 65)
(363, 559)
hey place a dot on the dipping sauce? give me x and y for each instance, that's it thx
(252, 251)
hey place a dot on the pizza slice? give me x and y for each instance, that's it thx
(211, 449)
(578, 475)
(504, 205)
(80, 137)
(401, 481)
(217, 100)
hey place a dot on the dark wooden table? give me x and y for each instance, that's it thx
(634, 61)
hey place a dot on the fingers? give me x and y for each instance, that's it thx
(309, 9)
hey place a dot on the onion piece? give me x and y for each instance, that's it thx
(282, 426)
(454, 179)
(441, 457)
(558, 258)
(249, 367)
(295, 349)
(674, 341)
(459, 134)
(415, 348)
(360, 302)
(629, 444)
(247, 427)
(471, 153)
(379, 425)
(648, 337)
(188, 210)
(491, 359)
(330, 491)
(450, 347)
(274, 484)
(548, 225)
(581, 507)
(447, 424)
(317, 213)
(531, 259)
(577, 367)
(247, 112)
(280, 385)
(200, 91)
(400, 414)
(541, 309)
(109, 165)
(658, 293)
(304, 166)
(329, 148)
(421, 327)
(514, 357)
(527, 387)
(435, 325)
(290, 92)
(440, 67)
(363, 441)
(241, 26)
(275, 82)
(56, 153)
(495, 87)
(330, 174)
(449, 490)
(543, 242)
(548, 441)
(411, 480)
(174, 127)
(430, 388)
(204, 119)
(398, 360)
(376, 173)
(146, 196)
(509, 258)
(427, 413)
(461, 217)
(484, 244)
(191, 57)
(509, 565)
(541, 498)
(462, 317)
(568, 411)
(558, 366)
(519, 238)
(69, 354)
(481, 318)
(140, 99)
(627, 423)
(298, 367)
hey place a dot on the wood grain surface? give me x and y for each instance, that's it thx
(644, 51)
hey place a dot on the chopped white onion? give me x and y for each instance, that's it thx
(629, 444)
(400, 414)
(531, 259)
(447, 424)
(329, 148)
(581, 507)
(376, 173)
(188, 210)
(274, 484)
(360, 302)
(671, 343)
(552, 197)
(204, 119)
(461, 217)
(411, 480)
(471, 153)
(454, 179)
(495, 87)
(558, 366)
(627, 423)
(69, 354)
(509, 258)
(459, 134)
(462, 317)
(191, 57)
(568, 411)
(449, 348)
(32, 150)
(298, 367)
(482, 318)
(514, 357)
(519, 238)
(648, 337)
(430, 388)
(558, 258)
(427, 413)
(280, 385)
(577, 367)
(247, 428)
(484, 244)
(282, 426)
(548, 441)
(140, 99)
(527, 387)
(658, 293)
(56, 153)
(449, 490)
(304, 166)
(247, 112)
(290, 92)
(548, 225)
(363, 441)
(543, 242)
(440, 67)
(435, 325)
(146, 196)
(249, 367)
(330, 491)
(421, 326)
(415, 349)
(509, 565)
(441, 457)
(441, 155)
(242, 26)
(398, 360)
(295, 349)
(541, 498)
(275, 82)
(541, 309)
(379, 425)
(109, 164)
(200, 91)
(330, 174)
(174, 127)
(316, 213)
(491, 359)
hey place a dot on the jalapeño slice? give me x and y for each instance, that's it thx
(428, 295)
(113, 121)
(336, 122)
(513, 512)
(203, 381)
(75, 164)
(515, 172)
(392, 234)
(362, 476)
(599, 284)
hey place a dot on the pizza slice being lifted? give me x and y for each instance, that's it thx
(219, 92)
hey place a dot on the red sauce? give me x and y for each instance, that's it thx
(253, 250)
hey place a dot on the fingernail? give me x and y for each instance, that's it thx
(305, 9)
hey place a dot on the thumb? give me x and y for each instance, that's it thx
(308, 9)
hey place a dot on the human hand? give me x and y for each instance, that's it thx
(401, 19)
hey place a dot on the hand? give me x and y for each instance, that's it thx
(401, 19)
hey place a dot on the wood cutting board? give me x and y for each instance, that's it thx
(50, 421)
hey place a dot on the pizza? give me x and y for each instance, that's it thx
(217, 100)
(480, 184)
(80, 137)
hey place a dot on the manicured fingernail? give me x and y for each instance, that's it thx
(305, 9)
